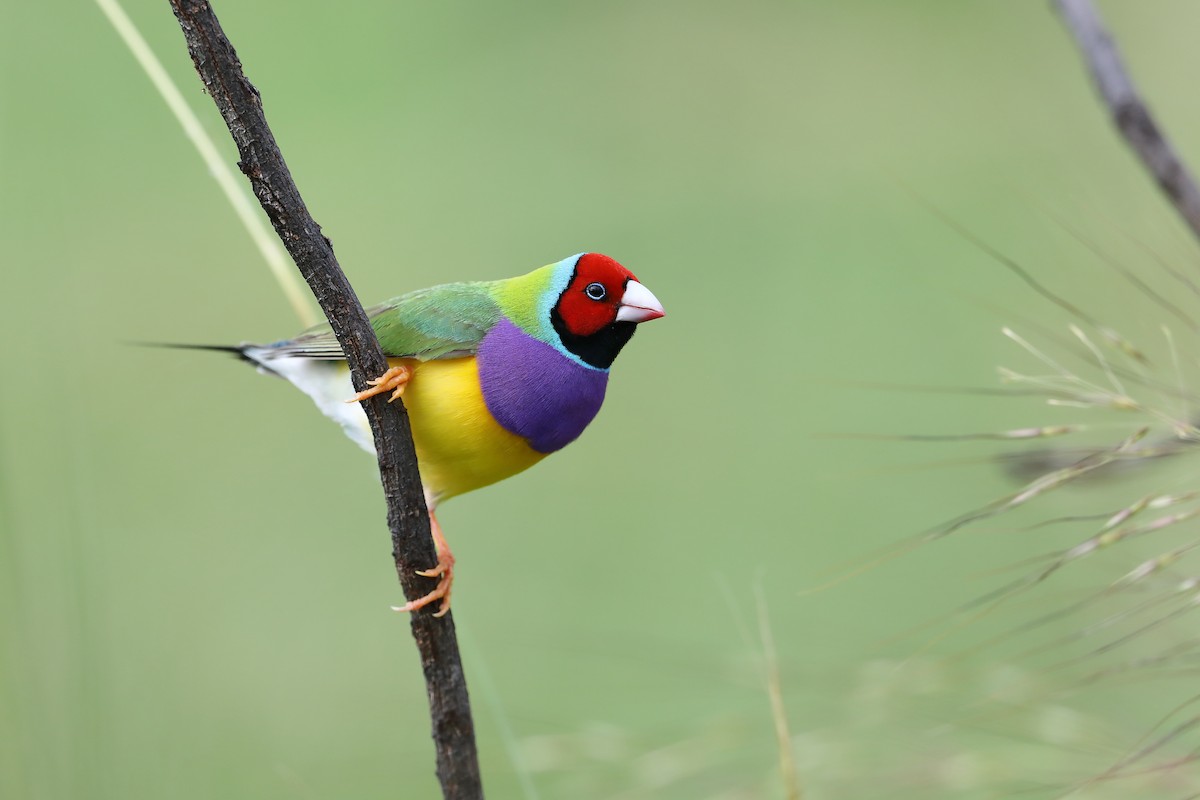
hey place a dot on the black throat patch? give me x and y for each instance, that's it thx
(598, 349)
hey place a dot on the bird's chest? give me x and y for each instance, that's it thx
(535, 391)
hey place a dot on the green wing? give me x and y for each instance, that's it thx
(441, 322)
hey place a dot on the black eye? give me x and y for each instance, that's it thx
(596, 291)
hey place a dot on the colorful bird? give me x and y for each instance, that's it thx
(495, 375)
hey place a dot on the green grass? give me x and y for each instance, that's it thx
(194, 568)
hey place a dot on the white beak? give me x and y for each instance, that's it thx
(638, 304)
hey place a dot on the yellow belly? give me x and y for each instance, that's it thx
(460, 446)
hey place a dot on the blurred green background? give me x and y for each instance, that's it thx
(194, 568)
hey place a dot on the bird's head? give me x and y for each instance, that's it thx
(601, 306)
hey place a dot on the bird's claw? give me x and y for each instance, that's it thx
(394, 381)
(444, 572)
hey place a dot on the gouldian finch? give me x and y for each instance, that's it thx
(495, 375)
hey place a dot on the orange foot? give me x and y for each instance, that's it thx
(394, 381)
(444, 572)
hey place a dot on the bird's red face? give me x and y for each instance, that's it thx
(602, 292)
(600, 308)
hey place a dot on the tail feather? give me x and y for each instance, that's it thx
(240, 351)
(326, 381)
(235, 350)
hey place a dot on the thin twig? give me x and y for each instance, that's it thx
(783, 737)
(408, 520)
(1129, 112)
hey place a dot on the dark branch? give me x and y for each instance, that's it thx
(1129, 111)
(408, 520)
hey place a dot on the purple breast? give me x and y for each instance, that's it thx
(535, 391)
